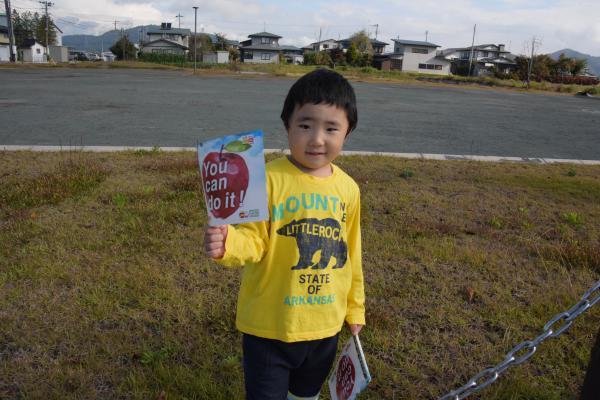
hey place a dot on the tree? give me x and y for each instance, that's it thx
(362, 42)
(123, 49)
(203, 44)
(337, 57)
(317, 58)
(40, 31)
(24, 26)
(352, 55)
(30, 25)
(234, 55)
(221, 42)
(578, 66)
(563, 64)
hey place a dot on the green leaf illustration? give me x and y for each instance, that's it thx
(237, 147)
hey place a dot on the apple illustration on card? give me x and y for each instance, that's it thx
(234, 179)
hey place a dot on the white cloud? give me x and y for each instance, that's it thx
(559, 23)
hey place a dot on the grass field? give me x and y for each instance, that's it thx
(105, 292)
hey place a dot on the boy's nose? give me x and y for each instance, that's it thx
(318, 137)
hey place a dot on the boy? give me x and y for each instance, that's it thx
(302, 269)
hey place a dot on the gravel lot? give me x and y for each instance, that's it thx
(121, 107)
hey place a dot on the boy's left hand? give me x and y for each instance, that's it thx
(355, 328)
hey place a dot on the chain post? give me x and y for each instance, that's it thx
(491, 375)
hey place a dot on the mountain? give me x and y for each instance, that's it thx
(104, 41)
(593, 62)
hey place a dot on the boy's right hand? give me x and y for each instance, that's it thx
(214, 241)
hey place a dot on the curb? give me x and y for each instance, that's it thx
(423, 156)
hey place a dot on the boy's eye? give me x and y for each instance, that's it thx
(303, 126)
(332, 130)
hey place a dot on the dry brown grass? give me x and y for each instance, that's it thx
(105, 292)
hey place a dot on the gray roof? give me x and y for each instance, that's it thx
(172, 31)
(166, 41)
(264, 47)
(477, 47)
(498, 60)
(290, 48)
(373, 42)
(265, 34)
(27, 43)
(415, 43)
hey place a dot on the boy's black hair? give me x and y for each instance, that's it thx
(321, 86)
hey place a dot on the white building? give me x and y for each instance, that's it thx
(216, 57)
(324, 45)
(32, 52)
(416, 56)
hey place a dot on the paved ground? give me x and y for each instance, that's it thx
(168, 108)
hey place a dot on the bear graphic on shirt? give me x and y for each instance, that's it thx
(314, 234)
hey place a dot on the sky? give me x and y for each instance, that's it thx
(555, 24)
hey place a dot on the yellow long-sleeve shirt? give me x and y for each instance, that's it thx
(302, 269)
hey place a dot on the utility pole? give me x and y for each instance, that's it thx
(426, 36)
(123, 54)
(46, 5)
(11, 34)
(116, 24)
(376, 30)
(472, 46)
(195, 35)
(530, 66)
(179, 16)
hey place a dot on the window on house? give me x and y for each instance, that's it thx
(265, 40)
(419, 50)
(465, 55)
(430, 66)
(248, 55)
(325, 46)
(266, 56)
(37, 51)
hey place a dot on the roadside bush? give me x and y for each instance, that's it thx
(575, 80)
(161, 58)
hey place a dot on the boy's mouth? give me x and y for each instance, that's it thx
(315, 153)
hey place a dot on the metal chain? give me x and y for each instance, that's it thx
(524, 350)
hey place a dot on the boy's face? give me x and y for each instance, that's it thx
(316, 135)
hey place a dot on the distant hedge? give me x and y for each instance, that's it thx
(162, 58)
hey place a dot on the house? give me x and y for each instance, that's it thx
(292, 54)
(485, 58)
(413, 56)
(323, 45)
(378, 46)
(166, 40)
(264, 48)
(32, 52)
(4, 40)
